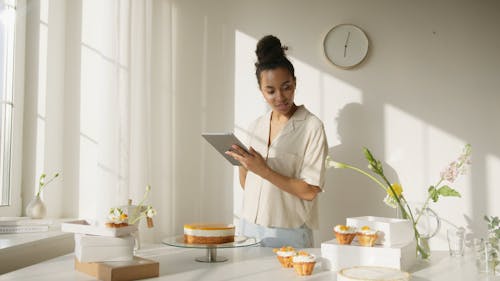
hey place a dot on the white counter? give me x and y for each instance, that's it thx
(252, 263)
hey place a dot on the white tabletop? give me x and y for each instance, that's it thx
(250, 263)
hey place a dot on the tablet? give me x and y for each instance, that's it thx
(222, 142)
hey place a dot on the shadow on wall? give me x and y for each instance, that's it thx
(348, 193)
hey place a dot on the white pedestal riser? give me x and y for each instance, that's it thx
(391, 231)
(336, 256)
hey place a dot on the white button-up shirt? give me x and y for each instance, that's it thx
(298, 151)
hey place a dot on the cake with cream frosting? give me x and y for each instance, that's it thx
(344, 234)
(208, 233)
(285, 255)
(117, 218)
(303, 263)
(367, 236)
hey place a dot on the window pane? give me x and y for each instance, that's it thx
(7, 28)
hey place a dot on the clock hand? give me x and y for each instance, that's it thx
(346, 41)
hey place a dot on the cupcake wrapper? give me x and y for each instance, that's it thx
(367, 240)
(344, 238)
(286, 262)
(304, 268)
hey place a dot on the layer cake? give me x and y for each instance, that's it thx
(208, 233)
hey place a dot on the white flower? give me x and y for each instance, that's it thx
(390, 201)
(117, 215)
(150, 212)
(329, 163)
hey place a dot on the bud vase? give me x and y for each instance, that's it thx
(36, 208)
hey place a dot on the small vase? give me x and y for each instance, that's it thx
(428, 226)
(424, 251)
(36, 208)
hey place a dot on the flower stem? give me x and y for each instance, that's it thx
(42, 185)
(138, 209)
(366, 174)
(426, 203)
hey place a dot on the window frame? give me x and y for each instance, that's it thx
(15, 206)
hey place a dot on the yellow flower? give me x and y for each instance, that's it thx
(398, 189)
(123, 216)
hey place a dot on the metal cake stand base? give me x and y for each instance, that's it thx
(211, 256)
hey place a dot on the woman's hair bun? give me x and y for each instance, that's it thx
(269, 50)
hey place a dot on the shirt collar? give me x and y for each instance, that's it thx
(299, 115)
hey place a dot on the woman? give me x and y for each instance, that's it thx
(283, 171)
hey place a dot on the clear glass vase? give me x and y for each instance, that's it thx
(486, 252)
(36, 208)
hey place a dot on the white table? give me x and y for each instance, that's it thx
(249, 263)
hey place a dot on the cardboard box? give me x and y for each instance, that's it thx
(138, 268)
(85, 227)
(336, 256)
(391, 231)
(91, 248)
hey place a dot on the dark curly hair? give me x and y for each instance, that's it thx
(271, 55)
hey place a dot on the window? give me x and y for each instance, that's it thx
(7, 35)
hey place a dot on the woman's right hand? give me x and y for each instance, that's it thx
(251, 160)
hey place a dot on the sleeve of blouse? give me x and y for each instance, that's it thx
(313, 166)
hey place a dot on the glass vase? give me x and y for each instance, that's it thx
(423, 249)
(427, 227)
(486, 253)
(36, 208)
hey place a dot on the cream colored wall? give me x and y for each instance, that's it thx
(429, 85)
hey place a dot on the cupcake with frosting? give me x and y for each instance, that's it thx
(344, 234)
(367, 236)
(285, 256)
(303, 263)
(117, 218)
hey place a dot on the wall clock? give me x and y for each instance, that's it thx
(346, 45)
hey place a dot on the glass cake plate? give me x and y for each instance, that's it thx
(211, 256)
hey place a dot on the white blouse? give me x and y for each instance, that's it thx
(298, 151)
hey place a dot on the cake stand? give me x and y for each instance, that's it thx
(211, 256)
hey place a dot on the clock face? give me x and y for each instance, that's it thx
(346, 45)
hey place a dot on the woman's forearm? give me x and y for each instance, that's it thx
(243, 176)
(294, 186)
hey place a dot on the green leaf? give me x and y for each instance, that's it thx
(448, 191)
(433, 194)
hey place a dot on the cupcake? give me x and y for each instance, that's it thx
(367, 236)
(117, 218)
(303, 263)
(344, 234)
(285, 256)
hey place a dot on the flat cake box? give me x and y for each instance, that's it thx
(92, 248)
(94, 228)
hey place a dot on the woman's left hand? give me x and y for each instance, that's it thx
(251, 160)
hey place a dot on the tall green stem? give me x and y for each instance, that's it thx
(426, 203)
(366, 174)
(403, 210)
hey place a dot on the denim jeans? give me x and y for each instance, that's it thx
(277, 237)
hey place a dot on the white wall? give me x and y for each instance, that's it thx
(428, 86)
